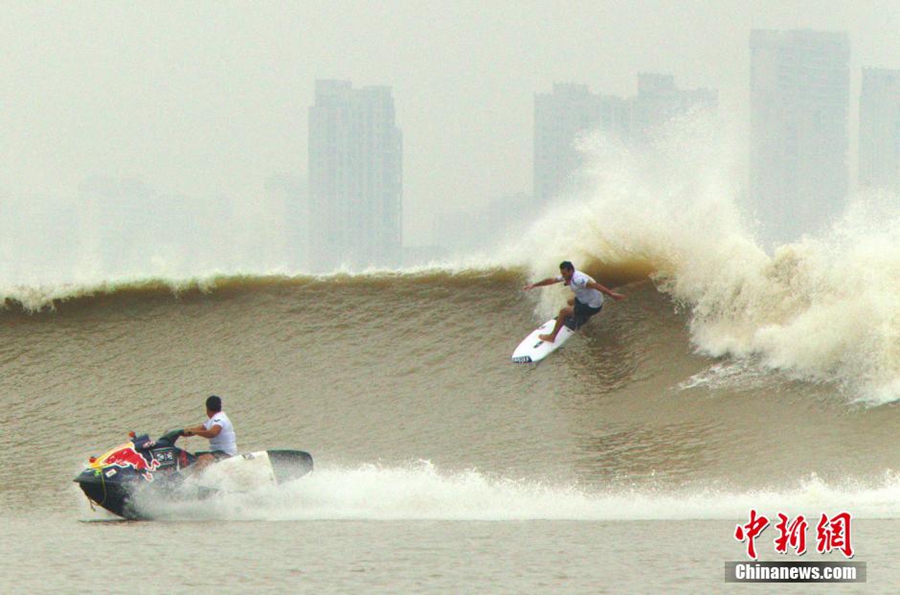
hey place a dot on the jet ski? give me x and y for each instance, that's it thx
(161, 470)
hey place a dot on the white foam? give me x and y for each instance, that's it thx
(822, 309)
(422, 492)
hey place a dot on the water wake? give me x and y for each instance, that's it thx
(422, 492)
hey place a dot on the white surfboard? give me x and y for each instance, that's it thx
(532, 350)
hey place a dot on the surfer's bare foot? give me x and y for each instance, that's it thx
(547, 338)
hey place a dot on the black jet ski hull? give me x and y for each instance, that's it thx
(158, 470)
(111, 495)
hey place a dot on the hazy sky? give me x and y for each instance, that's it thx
(212, 97)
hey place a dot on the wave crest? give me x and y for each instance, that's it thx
(824, 308)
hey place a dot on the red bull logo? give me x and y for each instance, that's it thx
(126, 456)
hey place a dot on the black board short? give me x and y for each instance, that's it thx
(583, 313)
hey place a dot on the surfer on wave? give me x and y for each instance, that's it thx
(587, 301)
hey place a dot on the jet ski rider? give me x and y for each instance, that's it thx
(218, 428)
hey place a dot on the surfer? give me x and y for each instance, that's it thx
(218, 428)
(587, 301)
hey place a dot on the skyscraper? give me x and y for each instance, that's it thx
(355, 177)
(799, 101)
(658, 100)
(572, 110)
(879, 129)
(559, 117)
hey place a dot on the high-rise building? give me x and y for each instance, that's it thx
(799, 101)
(355, 177)
(658, 100)
(879, 129)
(559, 117)
(570, 110)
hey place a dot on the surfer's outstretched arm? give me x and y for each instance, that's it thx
(605, 290)
(541, 283)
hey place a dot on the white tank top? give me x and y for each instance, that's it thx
(226, 441)
(586, 295)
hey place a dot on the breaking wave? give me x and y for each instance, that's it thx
(823, 309)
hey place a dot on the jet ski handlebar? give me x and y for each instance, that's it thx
(170, 437)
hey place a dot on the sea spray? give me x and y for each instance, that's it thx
(822, 309)
(420, 491)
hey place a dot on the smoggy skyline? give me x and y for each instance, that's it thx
(212, 98)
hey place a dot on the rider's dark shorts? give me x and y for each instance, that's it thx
(583, 312)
